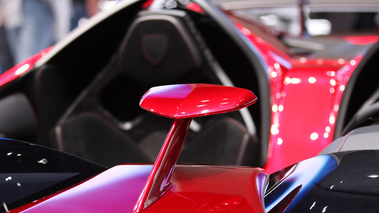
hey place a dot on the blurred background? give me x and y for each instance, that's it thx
(320, 17)
(29, 26)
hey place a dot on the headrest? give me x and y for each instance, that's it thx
(159, 48)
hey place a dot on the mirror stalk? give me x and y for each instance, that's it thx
(158, 182)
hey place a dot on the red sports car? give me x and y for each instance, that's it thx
(81, 96)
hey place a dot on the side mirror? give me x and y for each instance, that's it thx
(183, 102)
(195, 100)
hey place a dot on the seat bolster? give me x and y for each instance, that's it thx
(91, 136)
(224, 142)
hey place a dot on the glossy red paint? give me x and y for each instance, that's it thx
(158, 182)
(214, 189)
(115, 190)
(21, 68)
(221, 189)
(196, 189)
(183, 102)
(193, 100)
(305, 97)
(306, 100)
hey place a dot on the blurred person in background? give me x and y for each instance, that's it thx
(33, 25)
(82, 10)
(6, 58)
(9, 28)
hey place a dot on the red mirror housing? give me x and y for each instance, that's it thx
(194, 100)
(183, 102)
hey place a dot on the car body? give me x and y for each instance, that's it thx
(80, 97)
(342, 178)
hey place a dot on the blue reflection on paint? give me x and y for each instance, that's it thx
(306, 174)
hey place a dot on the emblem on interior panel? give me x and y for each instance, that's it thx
(154, 48)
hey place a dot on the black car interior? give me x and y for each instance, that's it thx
(360, 102)
(84, 99)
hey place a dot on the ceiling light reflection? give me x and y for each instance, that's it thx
(43, 161)
(312, 80)
(314, 136)
(288, 80)
(331, 73)
(280, 141)
(274, 108)
(275, 129)
(313, 205)
(5, 207)
(332, 119)
(22, 69)
(326, 135)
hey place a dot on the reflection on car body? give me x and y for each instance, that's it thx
(81, 97)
